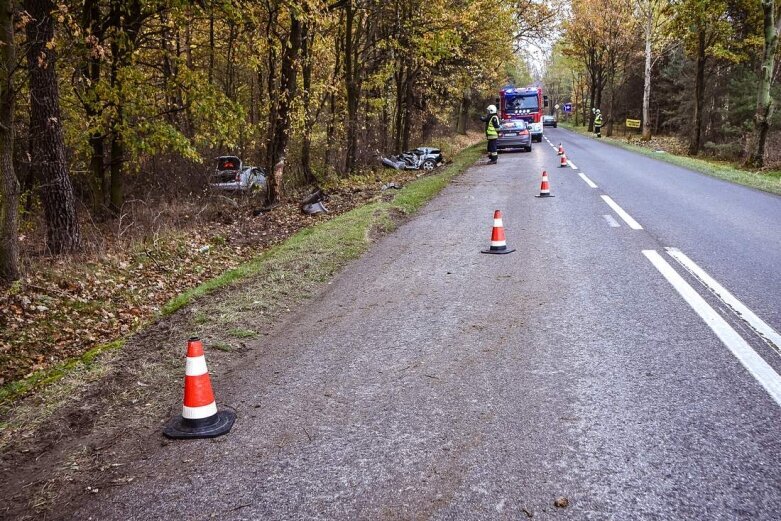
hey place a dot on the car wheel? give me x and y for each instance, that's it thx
(529, 148)
(428, 165)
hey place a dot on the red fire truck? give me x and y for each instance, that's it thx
(526, 103)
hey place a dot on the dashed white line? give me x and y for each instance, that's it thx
(755, 364)
(571, 165)
(612, 222)
(587, 180)
(621, 213)
(763, 329)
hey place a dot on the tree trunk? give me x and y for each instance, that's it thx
(48, 146)
(90, 72)
(211, 45)
(592, 100)
(117, 158)
(647, 78)
(353, 84)
(699, 94)
(463, 112)
(126, 18)
(398, 120)
(9, 185)
(287, 93)
(756, 156)
(306, 75)
(409, 104)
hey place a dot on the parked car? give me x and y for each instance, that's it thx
(549, 121)
(422, 158)
(514, 133)
(233, 176)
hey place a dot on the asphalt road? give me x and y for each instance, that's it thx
(432, 382)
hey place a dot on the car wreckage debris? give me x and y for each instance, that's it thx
(313, 203)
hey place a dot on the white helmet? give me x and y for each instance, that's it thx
(598, 111)
(492, 109)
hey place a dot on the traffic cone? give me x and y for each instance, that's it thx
(563, 163)
(498, 242)
(200, 417)
(561, 150)
(544, 187)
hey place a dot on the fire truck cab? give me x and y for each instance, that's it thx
(526, 103)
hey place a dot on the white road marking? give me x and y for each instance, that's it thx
(612, 222)
(755, 364)
(587, 180)
(764, 330)
(621, 213)
(571, 165)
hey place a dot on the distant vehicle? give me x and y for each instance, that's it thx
(422, 158)
(514, 134)
(527, 104)
(232, 176)
(549, 121)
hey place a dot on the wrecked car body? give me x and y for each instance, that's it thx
(422, 158)
(231, 175)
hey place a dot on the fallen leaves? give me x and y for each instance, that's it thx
(60, 310)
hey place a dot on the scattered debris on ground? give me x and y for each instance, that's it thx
(64, 307)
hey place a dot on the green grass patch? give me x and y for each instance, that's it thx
(221, 346)
(38, 379)
(242, 333)
(768, 181)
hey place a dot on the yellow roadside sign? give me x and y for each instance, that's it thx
(632, 123)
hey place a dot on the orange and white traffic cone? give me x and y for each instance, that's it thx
(544, 187)
(498, 241)
(561, 150)
(200, 417)
(563, 163)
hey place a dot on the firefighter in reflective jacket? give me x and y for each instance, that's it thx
(492, 126)
(598, 123)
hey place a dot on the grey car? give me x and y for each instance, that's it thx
(514, 133)
(231, 175)
(422, 158)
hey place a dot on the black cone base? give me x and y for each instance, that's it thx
(180, 428)
(498, 252)
(545, 195)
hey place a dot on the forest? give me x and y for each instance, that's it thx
(701, 72)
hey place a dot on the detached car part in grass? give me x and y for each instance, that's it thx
(233, 176)
(422, 158)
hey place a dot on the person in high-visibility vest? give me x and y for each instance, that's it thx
(492, 126)
(598, 123)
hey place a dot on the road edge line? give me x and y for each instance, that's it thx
(762, 328)
(762, 372)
